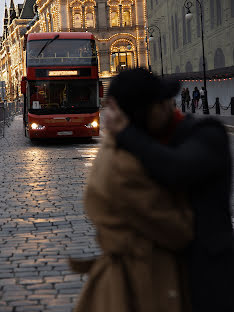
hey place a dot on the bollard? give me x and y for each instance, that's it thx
(193, 106)
(217, 106)
(232, 106)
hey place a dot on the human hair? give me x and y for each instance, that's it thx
(137, 90)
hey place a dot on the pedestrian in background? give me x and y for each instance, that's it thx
(187, 97)
(197, 159)
(202, 94)
(183, 97)
(142, 228)
(196, 97)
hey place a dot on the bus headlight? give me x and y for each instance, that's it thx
(35, 126)
(93, 124)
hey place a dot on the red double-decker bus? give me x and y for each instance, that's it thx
(61, 90)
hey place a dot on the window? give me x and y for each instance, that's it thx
(176, 32)
(188, 67)
(232, 8)
(126, 17)
(219, 12)
(89, 20)
(77, 20)
(219, 59)
(212, 14)
(114, 19)
(173, 32)
(184, 27)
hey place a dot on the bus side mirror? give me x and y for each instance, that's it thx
(101, 89)
(23, 85)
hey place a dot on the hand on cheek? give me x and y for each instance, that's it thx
(115, 120)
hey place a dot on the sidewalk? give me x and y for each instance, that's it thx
(225, 117)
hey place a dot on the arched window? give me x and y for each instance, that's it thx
(89, 20)
(126, 16)
(77, 20)
(188, 67)
(114, 18)
(201, 64)
(219, 59)
(121, 57)
(177, 70)
(219, 12)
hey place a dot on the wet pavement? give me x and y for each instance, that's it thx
(42, 222)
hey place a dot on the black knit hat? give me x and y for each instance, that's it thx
(138, 88)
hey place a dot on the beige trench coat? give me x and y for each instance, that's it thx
(143, 231)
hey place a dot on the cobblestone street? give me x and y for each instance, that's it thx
(42, 222)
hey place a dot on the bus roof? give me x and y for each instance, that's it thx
(62, 35)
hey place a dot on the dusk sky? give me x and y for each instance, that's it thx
(2, 10)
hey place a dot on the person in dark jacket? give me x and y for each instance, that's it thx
(187, 97)
(196, 159)
(196, 97)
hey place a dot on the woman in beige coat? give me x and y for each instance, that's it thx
(142, 228)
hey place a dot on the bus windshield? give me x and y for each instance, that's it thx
(56, 97)
(61, 52)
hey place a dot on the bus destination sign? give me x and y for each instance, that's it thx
(54, 73)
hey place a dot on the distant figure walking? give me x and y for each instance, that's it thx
(187, 97)
(183, 97)
(202, 93)
(196, 96)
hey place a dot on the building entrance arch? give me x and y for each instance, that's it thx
(122, 55)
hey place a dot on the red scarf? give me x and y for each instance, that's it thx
(177, 118)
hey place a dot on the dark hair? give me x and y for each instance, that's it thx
(136, 90)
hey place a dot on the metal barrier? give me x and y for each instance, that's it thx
(8, 110)
(217, 105)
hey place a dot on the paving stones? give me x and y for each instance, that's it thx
(42, 222)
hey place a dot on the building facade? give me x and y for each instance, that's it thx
(118, 26)
(181, 39)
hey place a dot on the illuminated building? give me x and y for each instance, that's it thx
(118, 26)
(181, 38)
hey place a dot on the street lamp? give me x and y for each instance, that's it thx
(151, 38)
(189, 16)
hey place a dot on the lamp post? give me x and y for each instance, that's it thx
(189, 16)
(151, 37)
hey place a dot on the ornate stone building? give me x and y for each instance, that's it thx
(181, 39)
(118, 26)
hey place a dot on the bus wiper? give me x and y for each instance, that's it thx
(47, 43)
